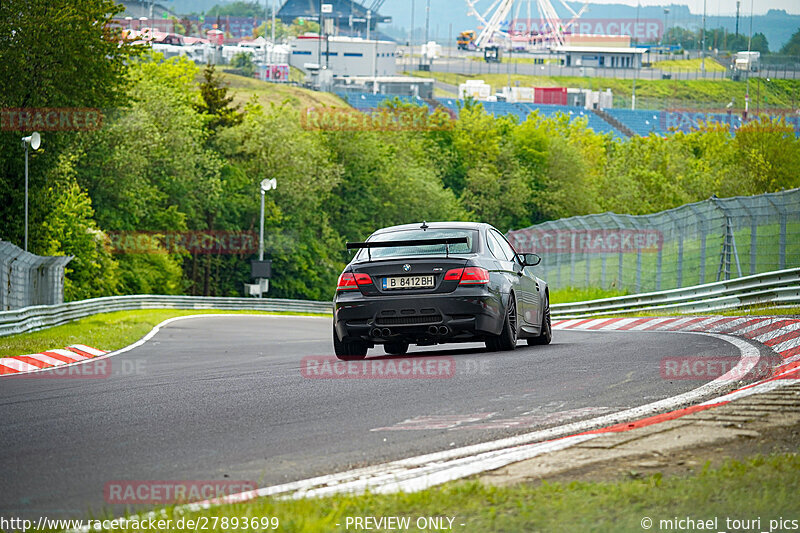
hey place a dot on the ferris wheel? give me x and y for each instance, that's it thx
(529, 33)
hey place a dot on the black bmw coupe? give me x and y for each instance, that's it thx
(437, 283)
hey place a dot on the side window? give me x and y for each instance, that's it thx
(510, 252)
(500, 248)
(494, 246)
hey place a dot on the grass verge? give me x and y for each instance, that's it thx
(243, 88)
(675, 93)
(685, 65)
(107, 331)
(582, 294)
(761, 486)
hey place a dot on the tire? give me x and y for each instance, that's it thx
(507, 340)
(546, 334)
(348, 350)
(396, 348)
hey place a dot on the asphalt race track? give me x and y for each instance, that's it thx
(225, 398)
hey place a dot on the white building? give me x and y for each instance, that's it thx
(345, 56)
(601, 57)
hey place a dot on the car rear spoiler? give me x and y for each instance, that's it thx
(416, 242)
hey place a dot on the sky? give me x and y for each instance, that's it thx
(716, 7)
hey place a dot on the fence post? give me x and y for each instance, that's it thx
(571, 252)
(678, 230)
(753, 232)
(703, 230)
(586, 253)
(639, 270)
(620, 226)
(603, 270)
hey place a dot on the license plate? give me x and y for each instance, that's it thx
(408, 282)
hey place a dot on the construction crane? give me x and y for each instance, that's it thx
(497, 33)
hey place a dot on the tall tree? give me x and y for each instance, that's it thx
(53, 53)
(792, 48)
(215, 102)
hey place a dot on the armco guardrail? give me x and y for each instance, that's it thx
(44, 316)
(773, 288)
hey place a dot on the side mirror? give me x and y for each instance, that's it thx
(530, 260)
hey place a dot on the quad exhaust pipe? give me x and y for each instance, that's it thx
(438, 330)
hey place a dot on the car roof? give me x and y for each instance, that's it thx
(436, 225)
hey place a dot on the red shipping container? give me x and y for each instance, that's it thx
(550, 95)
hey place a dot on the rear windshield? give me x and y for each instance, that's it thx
(418, 234)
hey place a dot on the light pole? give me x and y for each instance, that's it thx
(34, 140)
(266, 185)
(261, 270)
(703, 54)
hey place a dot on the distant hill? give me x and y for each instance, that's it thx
(777, 25)
(447, 15)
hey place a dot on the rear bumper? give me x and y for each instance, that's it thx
(468, 313)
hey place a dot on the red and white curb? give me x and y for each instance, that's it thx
(425, 471)
(24, 364)
(782, 335)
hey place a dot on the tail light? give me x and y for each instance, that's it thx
(349, 281)
(468, 276)
(453, 275)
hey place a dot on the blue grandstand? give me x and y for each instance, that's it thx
(369, 101)
(641, 122)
